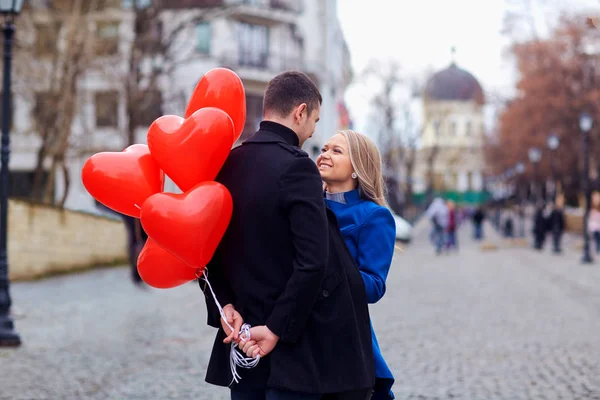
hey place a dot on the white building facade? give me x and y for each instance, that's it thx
(451, 158)
(255, 38)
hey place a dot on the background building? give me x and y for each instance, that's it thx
(255, 38)
(451, 159)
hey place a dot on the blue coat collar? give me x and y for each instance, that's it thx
(352, 197)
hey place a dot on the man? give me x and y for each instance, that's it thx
(137, 239)
(282, 266)
(478, 218)
(556, 224)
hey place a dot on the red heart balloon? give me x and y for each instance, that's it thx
(193, 150)
(221, 88)
(161, 269)
(123, 181)
(189, 225)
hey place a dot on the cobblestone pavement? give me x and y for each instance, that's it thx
(506, 324)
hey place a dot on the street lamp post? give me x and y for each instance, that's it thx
(520, 168)
(553, 143)
(585, 124)
(535, 156)
(9, 9)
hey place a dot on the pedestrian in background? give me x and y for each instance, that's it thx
(438, 215)
(478, 218)
(540, 227)
(453, 221)
(594, 220)
(136, 240)
(509, 224)
(557, 224)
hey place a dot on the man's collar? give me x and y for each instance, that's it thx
(288, 135)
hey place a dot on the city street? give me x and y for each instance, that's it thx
(478, 325)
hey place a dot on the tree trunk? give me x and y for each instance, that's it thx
(48, 193)
(409, 165)
(37, 189)
(67, 184)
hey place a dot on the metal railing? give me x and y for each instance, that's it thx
(261, 62)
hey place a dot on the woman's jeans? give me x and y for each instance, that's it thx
(437, 238)
(451, 240)
(477, 231)
(596, 236)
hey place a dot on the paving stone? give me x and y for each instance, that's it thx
(510, 324)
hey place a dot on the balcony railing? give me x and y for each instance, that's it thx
(287, 5)
(284, 5)
(262, 62)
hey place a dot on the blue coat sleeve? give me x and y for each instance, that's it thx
(376, 242)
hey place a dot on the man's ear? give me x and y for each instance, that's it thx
(300, 111)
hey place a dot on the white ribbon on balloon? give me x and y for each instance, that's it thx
(236, 357)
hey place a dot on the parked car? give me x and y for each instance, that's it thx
(403, 229)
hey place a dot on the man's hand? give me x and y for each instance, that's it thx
(235, 320)
(262, 342)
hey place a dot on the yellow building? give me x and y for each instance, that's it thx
(450, 158)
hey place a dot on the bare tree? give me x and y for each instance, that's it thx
(68, 24)
(387, 106)
(73, 42)
(159, 45)
(412, 133)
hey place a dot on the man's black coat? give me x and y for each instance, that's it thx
(283, 263)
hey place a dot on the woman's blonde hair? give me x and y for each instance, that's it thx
(366, 161)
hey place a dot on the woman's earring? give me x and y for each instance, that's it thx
(354, 176)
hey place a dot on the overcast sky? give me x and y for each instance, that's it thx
(420, 34)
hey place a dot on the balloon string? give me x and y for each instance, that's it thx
(236, 358)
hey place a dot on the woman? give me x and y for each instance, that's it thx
(438, 215)
(351, 169)
(594, 220)
(453, 221)
(540, 226)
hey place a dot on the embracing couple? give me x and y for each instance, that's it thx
(308, 248)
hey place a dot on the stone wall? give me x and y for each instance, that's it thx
(44, 240)
(574, 221)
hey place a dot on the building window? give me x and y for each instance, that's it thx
(263, 3)
(436, 127)
(150, 108)
(253, 50)
(44, 110)
(20, 184)
(254, 114)
(104, 4)
(46, 39)
(203, 37)
(107, 109)
(453, 128)
(140, 4)
(107, 38)
(469, 128)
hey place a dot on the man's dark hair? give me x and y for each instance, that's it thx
(288, 90)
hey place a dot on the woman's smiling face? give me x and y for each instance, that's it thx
(334, 162)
